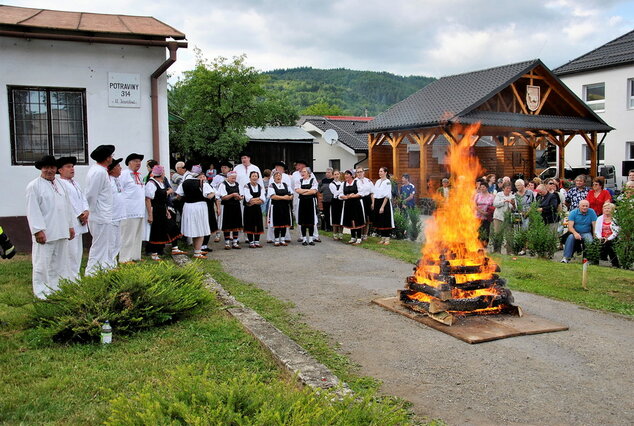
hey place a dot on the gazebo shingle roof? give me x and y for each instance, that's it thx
(619, 51)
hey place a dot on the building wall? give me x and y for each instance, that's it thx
(323, 152)
(80, 65)
(617, 114)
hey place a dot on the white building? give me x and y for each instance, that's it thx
(604, 79)
(337, 144)
(70, 81)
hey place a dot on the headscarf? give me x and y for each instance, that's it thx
(158, 170)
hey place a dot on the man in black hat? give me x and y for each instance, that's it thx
(133, 225)
(99, 196)
(79, 204)
(118, 209)
(245, 168)
(51, 222)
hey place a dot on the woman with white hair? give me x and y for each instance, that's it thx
(306, 188)
(606, 230)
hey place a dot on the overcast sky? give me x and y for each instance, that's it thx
(406, 37)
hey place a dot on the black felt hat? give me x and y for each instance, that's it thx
(301, 162)
(279, 163)
(47, 160)
(245, 153)
(133, 156)
(66, 160)
(102, 152)
(225, 163)
(114, 163)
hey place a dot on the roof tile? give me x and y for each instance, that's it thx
(619, 51)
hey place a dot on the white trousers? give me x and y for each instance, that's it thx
(131, 239)
(50, 264)
(102, 239)
(115, 243)
(75, 253)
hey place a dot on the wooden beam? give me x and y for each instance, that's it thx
(543, 101)
(535, 76)
(520, 101)
(372, 138)
(422, 168)
(594, 155)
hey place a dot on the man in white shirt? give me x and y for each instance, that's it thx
(118, 209)
(51, 221)
(99, 196)
(296, 177)
(244, 170)
(79, 204)
(133, 226)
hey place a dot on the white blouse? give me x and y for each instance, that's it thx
(383, 189)
(300, 182)
(150, 188)
(336, 192)
(222, 189)
(247, 192)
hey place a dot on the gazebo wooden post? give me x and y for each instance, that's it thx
(561, 152)
(594, 158)
(371, 140)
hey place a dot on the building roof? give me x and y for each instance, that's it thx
(346, 128)
(279, 134)
(29, 19)
(455, 98)
(619, 51)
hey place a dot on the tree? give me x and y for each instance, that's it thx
(323, 108)
(217, 101)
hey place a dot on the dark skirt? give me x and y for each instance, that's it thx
(211, 210)
(353, 214)
(367, 206)
(335, 211)
(307, 211)
(231, 217)
(280, 213)
(253, 220)
(382, 221)
(163, 230)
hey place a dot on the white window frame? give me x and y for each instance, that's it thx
(584, 155)
(597, 103)
(629, 154)
(630, 93)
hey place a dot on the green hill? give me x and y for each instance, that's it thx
(341, 91)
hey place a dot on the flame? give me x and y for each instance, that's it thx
(452, 234)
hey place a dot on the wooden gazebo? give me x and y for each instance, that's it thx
(521, 107)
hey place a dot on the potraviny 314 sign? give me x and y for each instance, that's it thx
(533, 97)
(124, 90)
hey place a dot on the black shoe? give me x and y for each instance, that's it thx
(304, 243)
(317, 240)
(312, 243)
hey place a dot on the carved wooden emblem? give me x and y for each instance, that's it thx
(533, 98)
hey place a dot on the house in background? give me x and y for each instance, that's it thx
(337, 143)
(604, 79)
(279, 143)
(70, 81)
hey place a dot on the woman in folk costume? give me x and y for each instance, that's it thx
(195, 193)
(306, 188)
(382, 206)
(365, 186)
(163, 228)
(118, 210)
(254, 199)
(279, 215)
(353, 214)
(230, 195)
(336, 205)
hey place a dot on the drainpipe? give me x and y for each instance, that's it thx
(361, 160)
(156, 151)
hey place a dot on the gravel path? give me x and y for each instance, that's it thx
(580, 376)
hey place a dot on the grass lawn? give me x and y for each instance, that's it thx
(50, 383)
(609, 289)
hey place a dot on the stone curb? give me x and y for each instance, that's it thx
(288, 354)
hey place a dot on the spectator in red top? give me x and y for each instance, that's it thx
(598, 196)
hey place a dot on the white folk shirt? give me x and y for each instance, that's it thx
(118, 200)
(244, 173)
(78, 202)
(206, 188)
(134, 194)
(362, 190)
(48, 209)
(150, 188)
(247, 193)
(383, 189)
(365, 186)
(222, 190)
(333, 188)
(299, 183)
(99, 194)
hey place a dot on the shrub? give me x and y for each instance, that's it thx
(542, 241)
(624, 246)
(132, 297)
(592, 251)
(400, 224)
(514, 234)
(413, 223)
(247, 400)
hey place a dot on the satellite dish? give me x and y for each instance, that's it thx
(331, 136)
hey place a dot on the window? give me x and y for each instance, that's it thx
(629, 154)
(594, 96)
(587, 153)
(47, 120)
(335, 164)
(630, 93)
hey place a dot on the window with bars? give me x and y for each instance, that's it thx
(47, 120)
